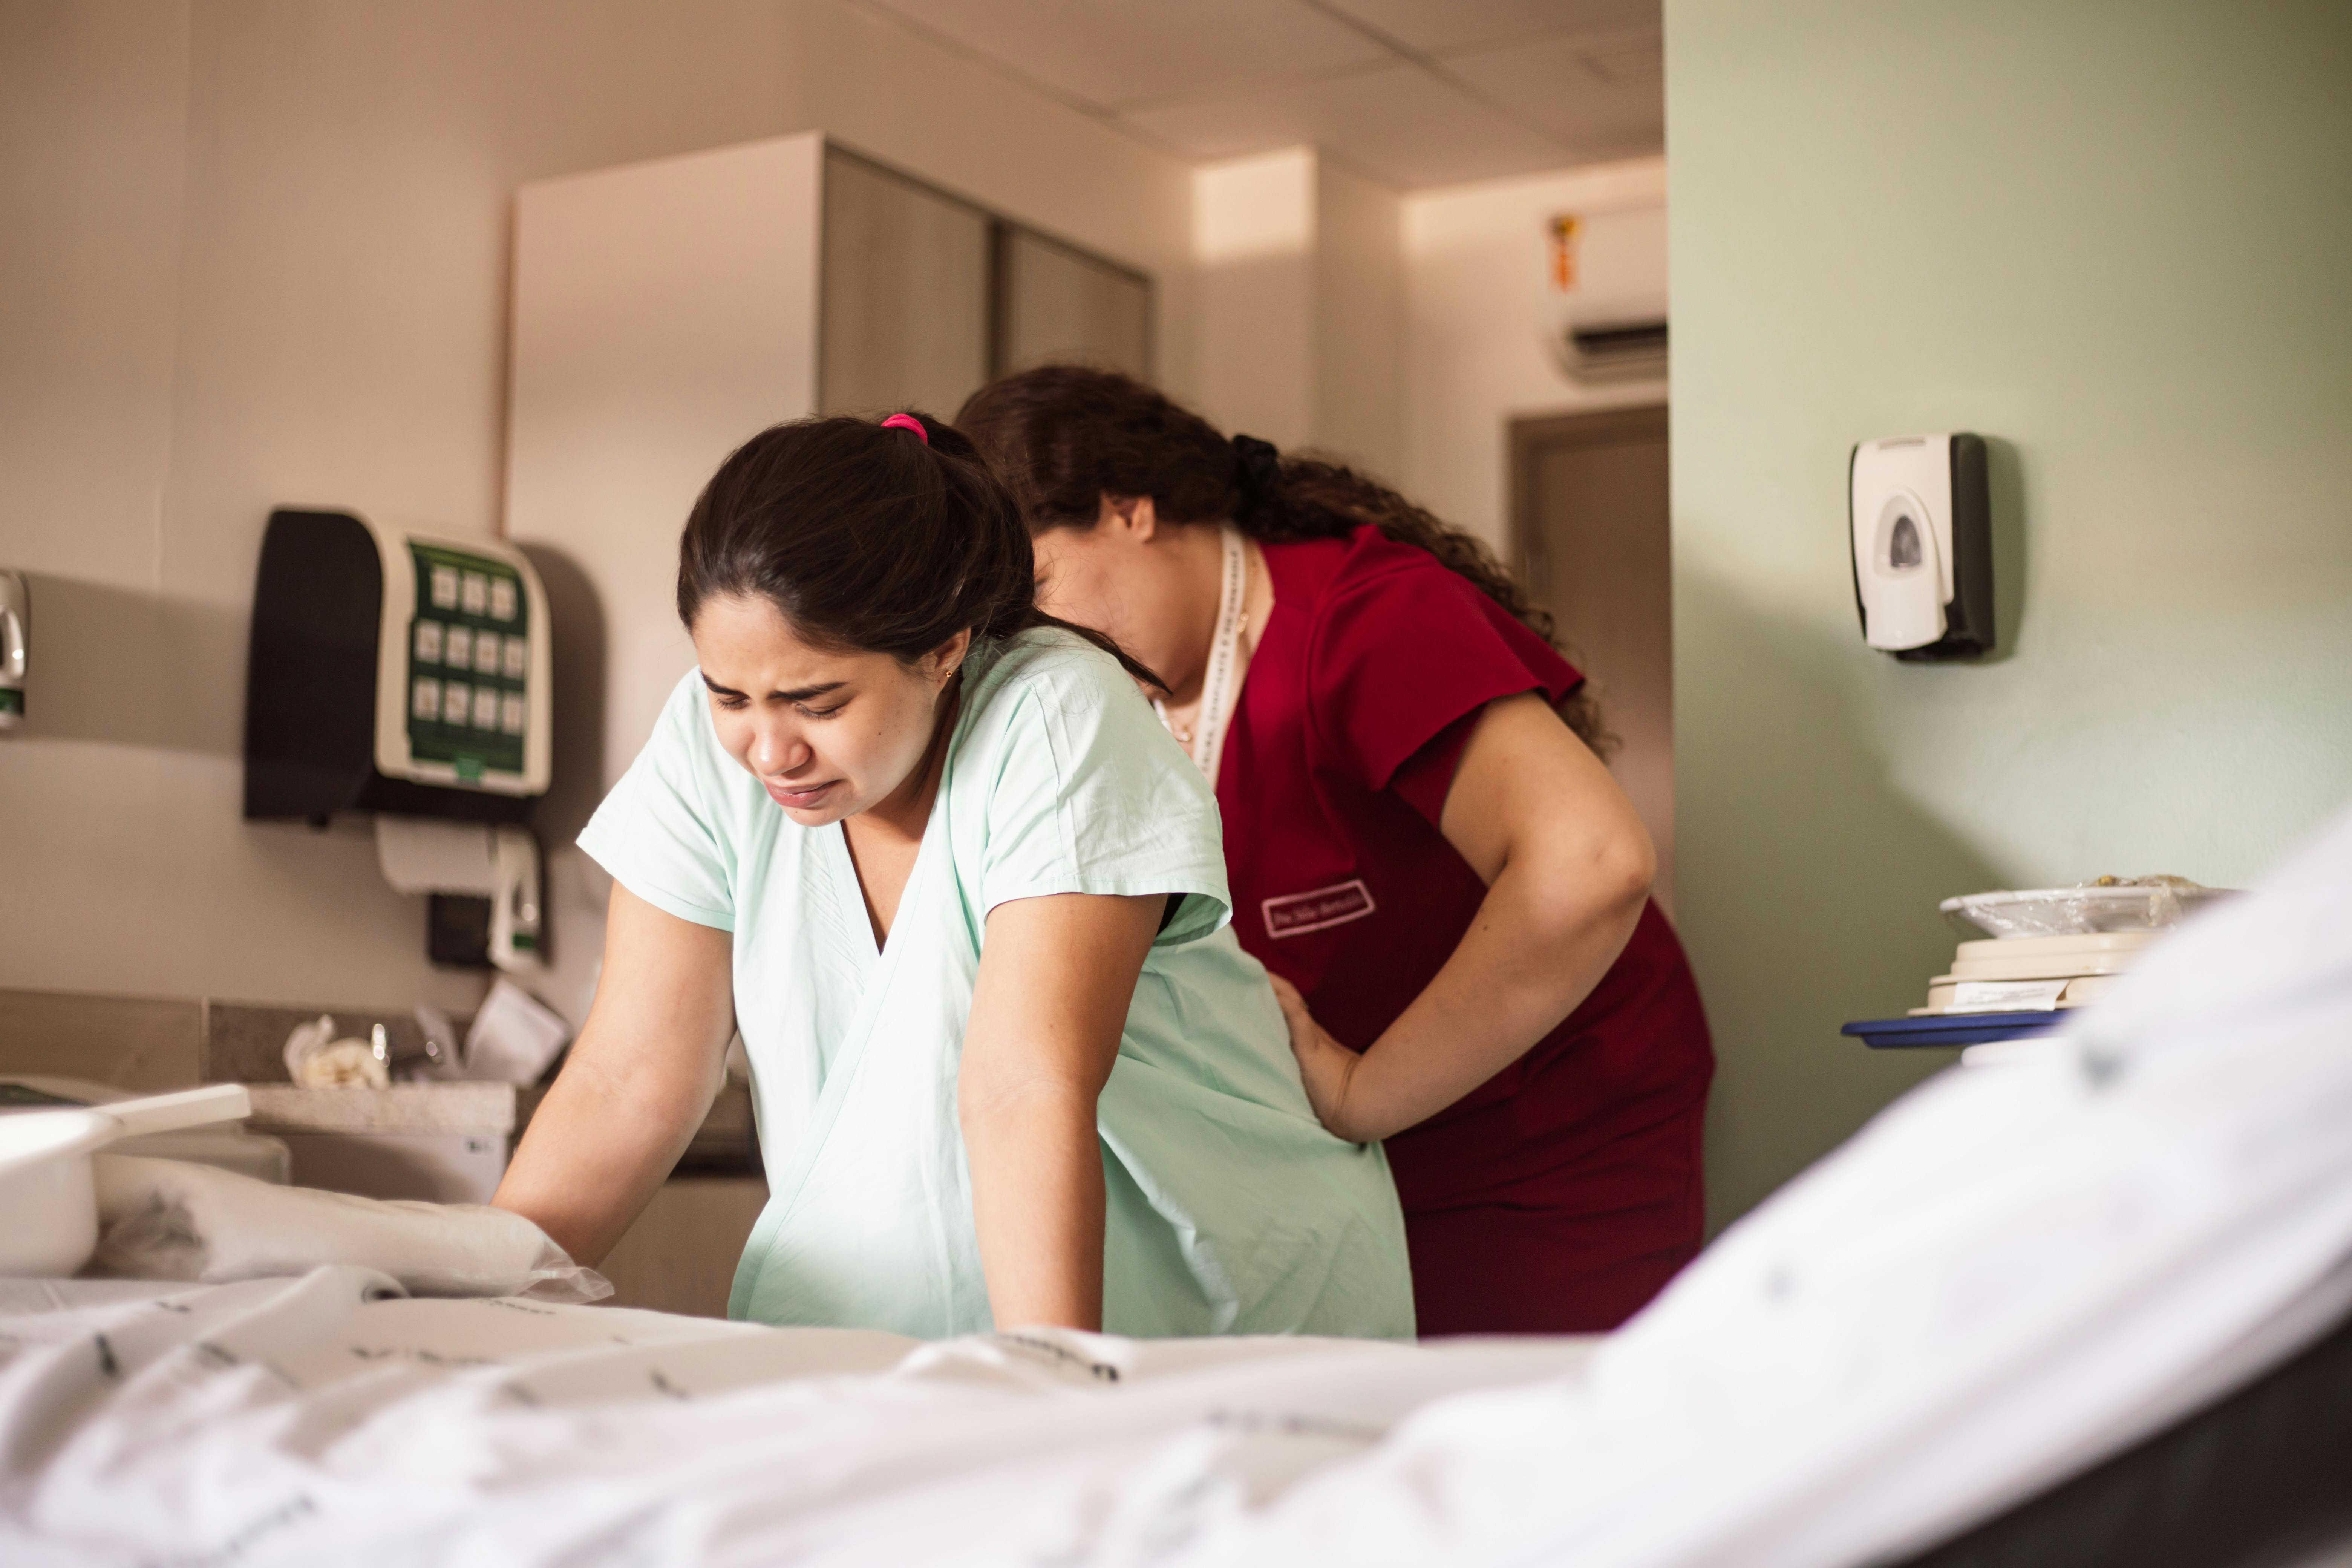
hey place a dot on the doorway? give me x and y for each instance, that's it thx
(1588, 534)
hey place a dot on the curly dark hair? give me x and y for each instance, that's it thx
(1062, 437)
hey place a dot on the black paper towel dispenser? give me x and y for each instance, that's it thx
(408, 675)
(393, 672)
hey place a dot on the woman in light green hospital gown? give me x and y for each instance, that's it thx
(932, 854)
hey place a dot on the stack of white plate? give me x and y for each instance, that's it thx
(2020, 973)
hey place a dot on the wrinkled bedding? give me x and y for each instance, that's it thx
(331, 1419)
(2009, 1274)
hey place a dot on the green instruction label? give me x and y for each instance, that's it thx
(469, 657)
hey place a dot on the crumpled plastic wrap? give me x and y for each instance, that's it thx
(315, 1058)
(166, 1219)
(2107, 904)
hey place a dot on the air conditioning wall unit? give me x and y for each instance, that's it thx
(1604, 295)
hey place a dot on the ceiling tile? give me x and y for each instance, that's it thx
(1110, 53)
(1604, 100)
(1436, 26)
(1397, 123)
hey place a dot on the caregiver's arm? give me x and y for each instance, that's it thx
(638, 1082)
(1056, 975)
(1568, 866)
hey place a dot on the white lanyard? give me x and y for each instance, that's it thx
(1218, 685)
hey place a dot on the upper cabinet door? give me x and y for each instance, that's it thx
(1060, 304)
(906, 294)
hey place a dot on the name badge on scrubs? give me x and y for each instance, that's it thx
(1295, 914)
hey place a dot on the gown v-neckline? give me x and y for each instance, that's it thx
(879, 941)
(853, 920)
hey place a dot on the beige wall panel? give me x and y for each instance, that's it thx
(147, 1043)
(258, 253)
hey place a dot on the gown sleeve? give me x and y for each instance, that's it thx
(1091, 796)
(661, 831)
(1400, 666)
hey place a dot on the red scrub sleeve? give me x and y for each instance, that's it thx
(1401, 665)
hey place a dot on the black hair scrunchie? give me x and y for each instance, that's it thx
(1259, 469)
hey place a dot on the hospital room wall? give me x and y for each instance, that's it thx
(1300, 313)
(1476, 321)
(2113, 236)
(257, 253)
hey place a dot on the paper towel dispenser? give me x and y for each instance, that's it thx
(394, 671)
(1919, 518)
(407, 675)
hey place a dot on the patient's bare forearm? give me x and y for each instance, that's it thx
(1038, 1205)
(1056, 975)
(638, 1082)
(597, 1149)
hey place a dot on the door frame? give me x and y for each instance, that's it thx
(1533, 436)
(1531, 440)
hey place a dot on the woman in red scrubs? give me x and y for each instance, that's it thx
(1443, 871)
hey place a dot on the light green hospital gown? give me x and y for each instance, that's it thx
(1231, 1209)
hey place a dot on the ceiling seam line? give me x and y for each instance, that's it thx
(1430, 63)
(1100, 115)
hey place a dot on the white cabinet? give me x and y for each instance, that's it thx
(664, 312)
(925, 296)
(680, 1256)
(905, 314)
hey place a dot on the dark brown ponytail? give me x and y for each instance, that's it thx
(868, 537)
(1063, 436)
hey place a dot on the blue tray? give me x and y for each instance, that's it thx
(1953, 1028)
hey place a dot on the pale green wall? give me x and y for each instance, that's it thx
(2116, 234)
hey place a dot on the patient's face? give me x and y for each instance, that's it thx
(829, 733)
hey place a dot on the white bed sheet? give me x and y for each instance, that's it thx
(2011, 1272)
(329, 1418)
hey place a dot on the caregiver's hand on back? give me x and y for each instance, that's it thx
(1566, 866)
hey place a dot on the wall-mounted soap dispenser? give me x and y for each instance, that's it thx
(15, 631)
(408, 676)
(1919, 515)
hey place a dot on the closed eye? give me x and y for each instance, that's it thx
(735, 701)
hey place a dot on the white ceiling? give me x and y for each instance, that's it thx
(1410, 93)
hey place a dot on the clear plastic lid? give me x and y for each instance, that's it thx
(2109, 904)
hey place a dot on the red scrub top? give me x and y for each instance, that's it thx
(1559, 1195)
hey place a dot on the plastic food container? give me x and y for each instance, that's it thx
(2076, 911)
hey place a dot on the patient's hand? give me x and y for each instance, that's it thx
(1327, 1065)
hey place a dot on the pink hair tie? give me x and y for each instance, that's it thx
(907, 422)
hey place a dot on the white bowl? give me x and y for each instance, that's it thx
(46, 1192)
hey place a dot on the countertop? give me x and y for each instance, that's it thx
(725, 1143)
(474, 1108)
